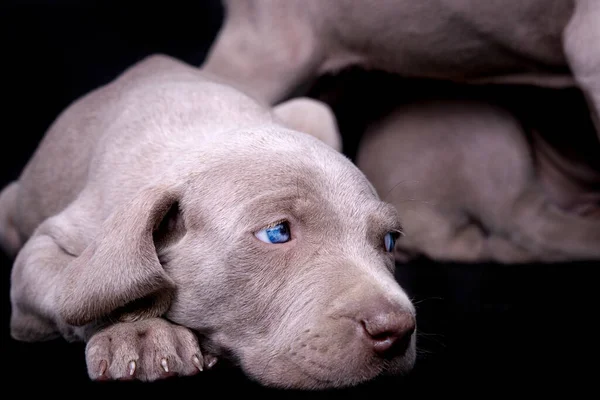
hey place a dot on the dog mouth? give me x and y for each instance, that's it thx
(309, 366)
(315, 365)
(311, 374)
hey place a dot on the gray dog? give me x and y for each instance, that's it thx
(167, 211)
(478, 189)
(271, 47)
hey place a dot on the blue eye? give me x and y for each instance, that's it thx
(390, 241)
(279, 233)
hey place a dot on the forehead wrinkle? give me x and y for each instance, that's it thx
(301, 204)
(330, 189)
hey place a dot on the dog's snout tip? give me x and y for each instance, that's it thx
(382, 345)
(389, 332)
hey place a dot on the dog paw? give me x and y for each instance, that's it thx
(146, 350)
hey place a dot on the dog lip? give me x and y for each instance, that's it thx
(307, 373)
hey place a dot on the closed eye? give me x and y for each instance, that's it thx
(275, 234)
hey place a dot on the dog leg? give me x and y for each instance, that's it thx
(502, 250)
(581, 41)
(38, 276)
(265, 52)
(10, 239)
(441, 236)
(147, 350)
(553, 234)
(34, 282)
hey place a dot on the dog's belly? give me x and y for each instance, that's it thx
(463, 40)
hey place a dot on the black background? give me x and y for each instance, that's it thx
(484, 329)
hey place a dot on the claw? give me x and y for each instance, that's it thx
(131, 367)
(212, 360)
(197, 362)
(164, 364)
(103, 367)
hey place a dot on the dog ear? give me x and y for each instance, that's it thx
(310, 116)
(119, 273)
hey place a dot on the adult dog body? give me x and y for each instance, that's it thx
(271, 47)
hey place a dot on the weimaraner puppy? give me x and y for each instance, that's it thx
(167, 212)
(270, 48)
(471, 186)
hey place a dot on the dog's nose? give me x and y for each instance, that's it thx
(388, 329)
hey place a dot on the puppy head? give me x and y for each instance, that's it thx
(273, 247)
(285, 267)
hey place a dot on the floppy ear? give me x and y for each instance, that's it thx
(119, 272)
(310, 116)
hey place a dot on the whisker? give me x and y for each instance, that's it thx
(424, 352)
(396, 186)
(438, 339)
(429, 335)
(415, 302)
(386, 196)
(416, 201)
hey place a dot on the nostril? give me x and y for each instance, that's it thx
(389, 334)
(382, 336)
(383, 342)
